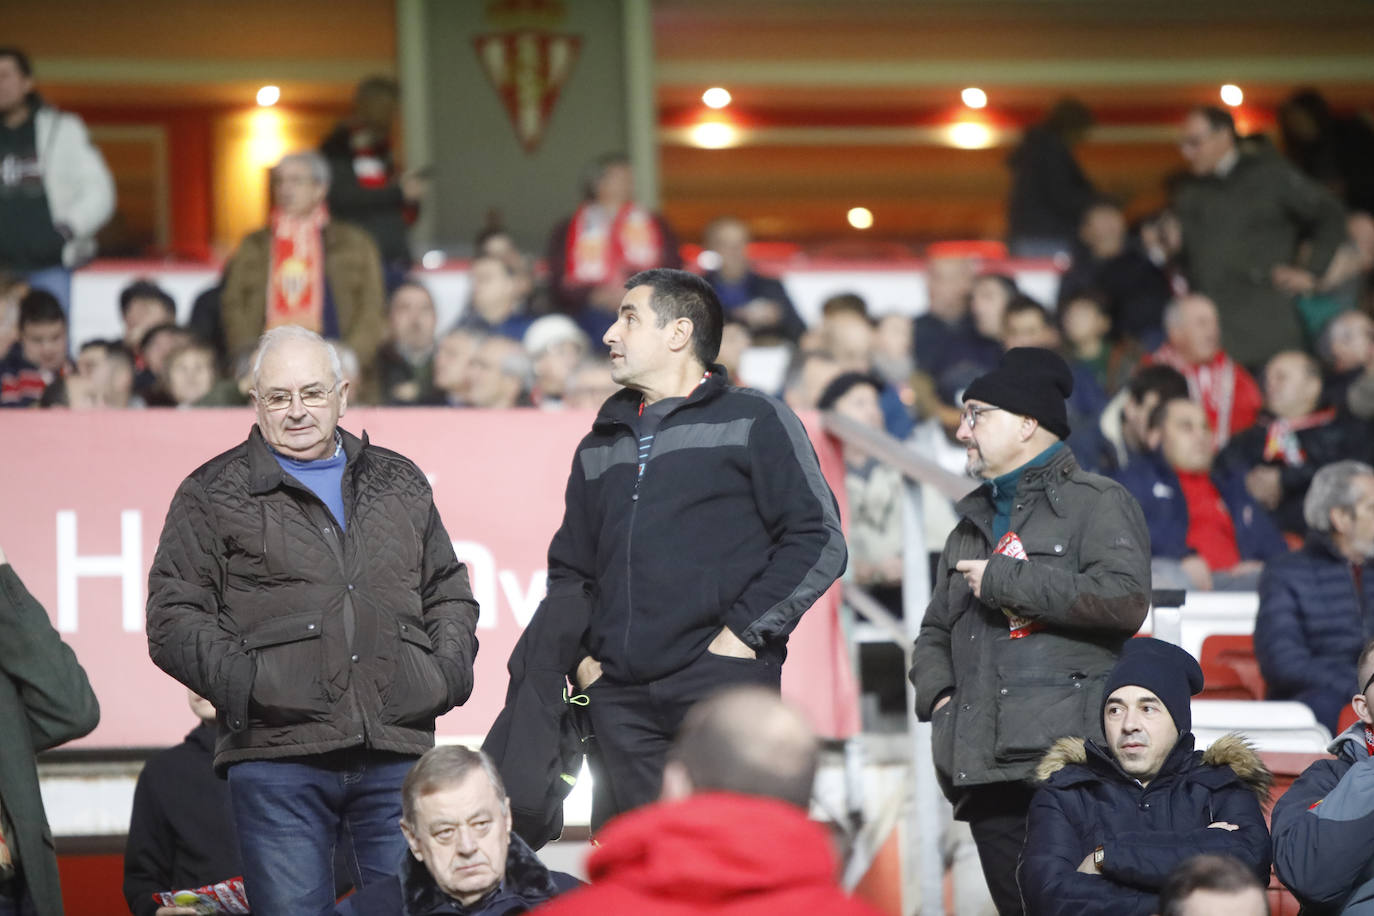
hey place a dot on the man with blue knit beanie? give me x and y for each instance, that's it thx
(1045, 576)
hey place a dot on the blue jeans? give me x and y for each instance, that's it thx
(56, 280)
(291, 813)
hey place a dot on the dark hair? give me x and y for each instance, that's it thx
(21, 60)
(1217, 118)
(1068, 116)
(1094, 297)
(144, 288)
(157, 330)
(845, 302)
(1161, 410)
(1007, 283)
(1021, 303)
(841, 385)
(746, 740)
(594, 170)
(377, 85)
(1207, 872)
(118, 350)
(679, 294)
(40, 307)
(1165, 381)
(412, 283)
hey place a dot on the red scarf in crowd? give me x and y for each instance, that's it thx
(1225, 390)
(295, 282)
(1281, 440)
(605, 248)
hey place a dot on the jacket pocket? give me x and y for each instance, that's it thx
(942, 740)
(417, 691)
(1037, 706)
(286, 683)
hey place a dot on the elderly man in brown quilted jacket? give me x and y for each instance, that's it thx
(306, 586)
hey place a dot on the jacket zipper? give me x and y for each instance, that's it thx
(630, 535)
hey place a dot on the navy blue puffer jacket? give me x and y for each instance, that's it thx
(1312, 623)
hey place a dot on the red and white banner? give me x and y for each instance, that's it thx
(86, 493)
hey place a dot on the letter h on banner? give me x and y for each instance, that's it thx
(127, 565)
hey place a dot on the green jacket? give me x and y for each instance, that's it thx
(1237, 228)
(1086, 584)
(45, 700)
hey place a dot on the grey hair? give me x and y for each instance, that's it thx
(294, 332)
(316, 163)
(443, 766)
(1173, 312)
(1332, 488)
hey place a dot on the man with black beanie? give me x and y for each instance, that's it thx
(1112, 820)
(1045, 576)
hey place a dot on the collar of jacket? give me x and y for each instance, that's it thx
(1071, 761)
(1321, 544)
(622, 408)
(525, 877)
(265, 475)
(978, 506)
(1350, 744)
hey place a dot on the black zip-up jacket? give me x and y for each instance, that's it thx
(306, 638)
(731, 524)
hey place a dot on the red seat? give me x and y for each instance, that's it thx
(1347, 719)
(1230, 670)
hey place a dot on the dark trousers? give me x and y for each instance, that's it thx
(996, 816)
(15, 899)
(634, 725)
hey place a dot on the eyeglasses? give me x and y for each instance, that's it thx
(972, 413)
(310, 397)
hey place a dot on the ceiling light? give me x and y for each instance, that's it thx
(716, 97)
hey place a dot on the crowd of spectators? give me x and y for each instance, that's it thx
(1222, 349)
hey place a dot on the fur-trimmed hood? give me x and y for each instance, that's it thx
(1231, 750)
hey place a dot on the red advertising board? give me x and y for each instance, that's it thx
(86, 493)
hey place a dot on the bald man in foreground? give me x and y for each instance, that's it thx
(730, 833)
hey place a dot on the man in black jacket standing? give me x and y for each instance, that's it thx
(698, 528)
(305, 585)
(1045, 576)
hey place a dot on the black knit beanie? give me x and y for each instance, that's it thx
(1162, 668)
(1030, 381)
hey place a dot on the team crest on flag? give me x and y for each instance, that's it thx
(529, 63)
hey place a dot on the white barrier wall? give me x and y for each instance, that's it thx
(897, 287)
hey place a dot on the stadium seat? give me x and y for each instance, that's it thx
(1230, 669)
(1347, 719)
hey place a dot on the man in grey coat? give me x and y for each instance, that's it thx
(1045, 576)
(1256, 232)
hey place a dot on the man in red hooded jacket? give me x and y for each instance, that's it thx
(730, 835)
